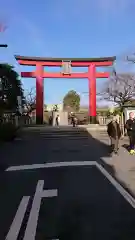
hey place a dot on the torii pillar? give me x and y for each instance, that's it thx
(39, 94)
(92, 92)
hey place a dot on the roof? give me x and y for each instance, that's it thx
(50, 59)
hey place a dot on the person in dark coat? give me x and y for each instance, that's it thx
(57, 120)
(130, 126)
(73, 120)
(114, 132)
(50, 120)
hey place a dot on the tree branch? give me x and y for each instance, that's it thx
(119, 89)
(30, 101)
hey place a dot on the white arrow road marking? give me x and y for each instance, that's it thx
(17, 221)
(31, 228)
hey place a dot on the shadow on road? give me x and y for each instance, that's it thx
(87, 209)
(43, 145)
(52, 145)
(126, 146)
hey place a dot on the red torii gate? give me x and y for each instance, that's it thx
(40, 74)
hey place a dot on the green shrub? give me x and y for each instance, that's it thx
(7, 132)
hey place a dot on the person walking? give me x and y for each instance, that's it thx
(114, 132)
(74, 121)
(130, 126)
(57, 120)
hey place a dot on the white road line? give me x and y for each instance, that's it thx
(50, 165)
(121, 190)
(17, 221)
(50, 193)
(34, 213)
(31, 228)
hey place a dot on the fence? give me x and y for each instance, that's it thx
(27, 120)
(16, 120)
(103, 121)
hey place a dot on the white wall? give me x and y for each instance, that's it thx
(127, 111)
(63, 118)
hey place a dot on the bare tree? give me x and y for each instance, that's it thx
(30, 101)
(120, 89)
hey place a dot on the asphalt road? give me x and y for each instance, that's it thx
(71, 197)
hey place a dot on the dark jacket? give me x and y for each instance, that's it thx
(111, 130)
(130, 126)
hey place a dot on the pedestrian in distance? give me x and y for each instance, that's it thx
(57, 120)
(74, 121)
(50, 120)
(114, 132)
(130, 126)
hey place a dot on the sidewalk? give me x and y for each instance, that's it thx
(123, 164)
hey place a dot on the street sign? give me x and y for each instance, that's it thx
(3, 45)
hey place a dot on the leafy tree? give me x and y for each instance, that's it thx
(119, 89)
(10, 88)
(72, 100)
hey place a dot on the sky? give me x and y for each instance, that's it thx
(68, 28)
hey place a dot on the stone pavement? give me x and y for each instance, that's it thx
(123, 164)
